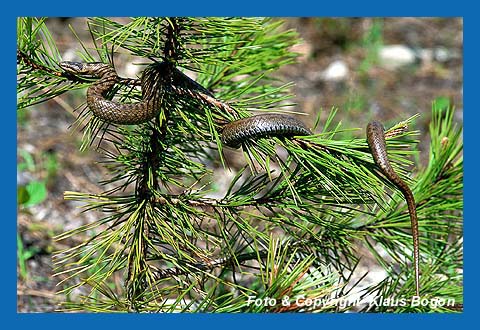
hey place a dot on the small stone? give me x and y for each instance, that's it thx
(426, 55)
(442, 54)
(336, 71)
(439, 54)
(395, 56)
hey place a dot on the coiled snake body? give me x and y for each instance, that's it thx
(116, 112)
(160, 77)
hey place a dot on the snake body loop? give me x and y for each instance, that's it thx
(378, 148)
(157, 79)
(116, 112)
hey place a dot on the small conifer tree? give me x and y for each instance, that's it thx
(285, 234)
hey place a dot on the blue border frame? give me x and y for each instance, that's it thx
(244, 8)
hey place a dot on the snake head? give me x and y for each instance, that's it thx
(91, 68)
(72, 67)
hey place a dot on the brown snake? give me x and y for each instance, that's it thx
(156, 79)
(378, 148)
(266, 125)
(160, 77)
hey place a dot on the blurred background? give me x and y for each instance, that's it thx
(383, 68)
